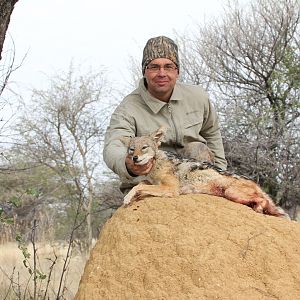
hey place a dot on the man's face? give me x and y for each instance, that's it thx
(161, 75)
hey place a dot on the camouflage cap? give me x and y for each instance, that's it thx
(160, 47)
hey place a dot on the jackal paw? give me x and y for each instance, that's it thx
(127, 200)
(132, 198)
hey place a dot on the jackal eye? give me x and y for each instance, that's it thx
(145, 147)
(130, 150)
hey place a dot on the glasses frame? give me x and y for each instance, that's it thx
(155, 68)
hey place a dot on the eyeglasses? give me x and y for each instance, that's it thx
(153, 68)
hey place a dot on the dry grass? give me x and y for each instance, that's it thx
(12, 269)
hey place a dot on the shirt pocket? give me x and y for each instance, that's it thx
(193, 121)
(192, 128)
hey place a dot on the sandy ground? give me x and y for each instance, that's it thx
(193, 247)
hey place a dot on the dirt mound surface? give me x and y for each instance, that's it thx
(193, 247)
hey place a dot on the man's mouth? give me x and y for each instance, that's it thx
(162, 83)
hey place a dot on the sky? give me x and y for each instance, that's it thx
(51, 34)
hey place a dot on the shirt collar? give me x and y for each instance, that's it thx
(154, 104)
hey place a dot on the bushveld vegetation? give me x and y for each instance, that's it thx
(55, 192)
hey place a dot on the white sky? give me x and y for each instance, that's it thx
(94, 33)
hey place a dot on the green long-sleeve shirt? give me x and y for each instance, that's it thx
(189, 117)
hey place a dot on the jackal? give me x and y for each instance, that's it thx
(173, 175)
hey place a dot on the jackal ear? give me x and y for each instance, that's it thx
(159, 134)
(125, 140)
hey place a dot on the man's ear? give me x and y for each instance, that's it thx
(125, 140)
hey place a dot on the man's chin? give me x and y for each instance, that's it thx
(162, 86)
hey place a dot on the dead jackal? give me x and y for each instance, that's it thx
(172, 175)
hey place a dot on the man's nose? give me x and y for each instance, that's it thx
(161, 71)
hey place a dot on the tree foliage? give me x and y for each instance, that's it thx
(63, 129)
(249, 59)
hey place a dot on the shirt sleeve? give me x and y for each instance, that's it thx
(114, 151)
(212, 134)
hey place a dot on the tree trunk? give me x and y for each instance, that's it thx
(6, 9)
(89, 216)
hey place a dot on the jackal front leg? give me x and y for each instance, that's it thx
(132, 193)
(143, 190)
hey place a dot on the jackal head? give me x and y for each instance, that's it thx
(142, 149)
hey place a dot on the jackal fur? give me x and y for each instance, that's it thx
(172, 175)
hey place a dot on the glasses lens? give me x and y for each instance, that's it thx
(156, 68)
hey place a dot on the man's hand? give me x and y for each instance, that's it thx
(138, 170)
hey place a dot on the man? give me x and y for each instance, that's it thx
(161, 100)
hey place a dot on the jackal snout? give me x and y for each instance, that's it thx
(135, 158)
(140, 153)
(144, 148)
